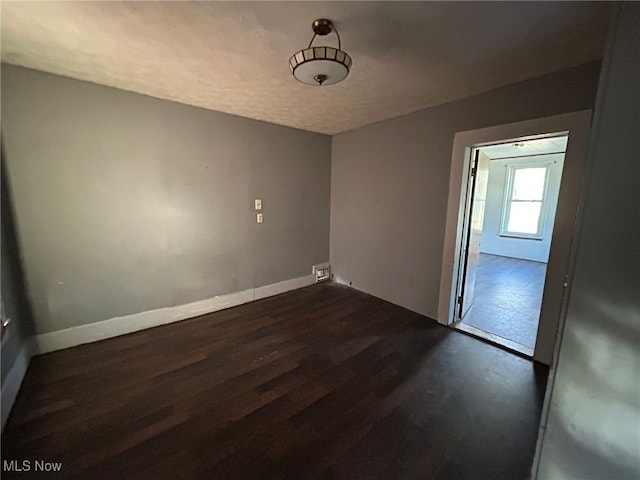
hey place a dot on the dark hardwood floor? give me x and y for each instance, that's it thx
(323, 382)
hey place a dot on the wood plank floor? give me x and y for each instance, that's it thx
(323, 382)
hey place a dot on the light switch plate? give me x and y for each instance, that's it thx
(259, 217)
(258, 203)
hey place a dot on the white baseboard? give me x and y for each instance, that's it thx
(70, 337)
(282, 287)
(113, 327)
(12, 382)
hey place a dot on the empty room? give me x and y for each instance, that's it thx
(320, 240)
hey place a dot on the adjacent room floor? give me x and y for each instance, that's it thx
(323, 382)
(508, 298)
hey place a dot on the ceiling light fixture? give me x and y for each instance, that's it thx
(321, 66)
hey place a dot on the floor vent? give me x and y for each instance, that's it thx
(322, 272)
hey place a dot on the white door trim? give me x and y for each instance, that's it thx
(577, 125)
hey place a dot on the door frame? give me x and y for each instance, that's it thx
(577, 125)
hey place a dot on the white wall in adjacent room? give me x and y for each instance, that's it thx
(493, 241)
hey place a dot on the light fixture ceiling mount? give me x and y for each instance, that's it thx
(321, 66)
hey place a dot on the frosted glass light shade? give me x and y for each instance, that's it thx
(320, 66)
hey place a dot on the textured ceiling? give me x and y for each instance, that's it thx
(232, 56)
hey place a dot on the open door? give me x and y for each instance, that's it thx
(459, 208)
(476, 200)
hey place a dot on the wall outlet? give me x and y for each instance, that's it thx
(259, 217)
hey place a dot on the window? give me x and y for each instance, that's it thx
(523, 208)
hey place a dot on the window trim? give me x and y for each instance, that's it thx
(507, 199)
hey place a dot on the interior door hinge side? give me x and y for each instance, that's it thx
(474, 169)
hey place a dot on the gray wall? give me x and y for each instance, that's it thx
(13, 292)
(390, 181)
(125, 203)
(593, 425)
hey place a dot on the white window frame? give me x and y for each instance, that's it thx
(512, 167)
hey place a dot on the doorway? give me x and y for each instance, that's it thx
(576, 126)
(512, 197)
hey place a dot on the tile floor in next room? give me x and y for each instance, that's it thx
(508, 298)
